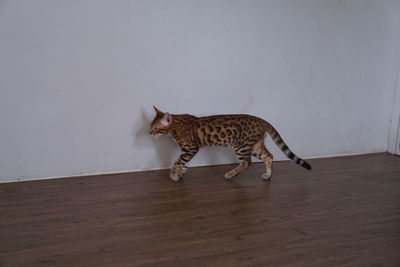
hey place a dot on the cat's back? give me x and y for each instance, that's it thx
(243, 119)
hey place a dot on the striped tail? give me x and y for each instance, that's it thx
(285, 149)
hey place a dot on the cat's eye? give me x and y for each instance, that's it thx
(156, 128)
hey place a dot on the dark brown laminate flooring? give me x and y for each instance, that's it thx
(345, 212)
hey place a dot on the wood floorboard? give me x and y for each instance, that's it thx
(345, 212)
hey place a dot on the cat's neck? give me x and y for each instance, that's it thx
(181, 123)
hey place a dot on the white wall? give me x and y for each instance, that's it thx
(79, 78)
(394, 129)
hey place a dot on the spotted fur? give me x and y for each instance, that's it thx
(244, 133)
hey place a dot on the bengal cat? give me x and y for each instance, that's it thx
(244, 133)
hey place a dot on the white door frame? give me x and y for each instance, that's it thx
(394, 134)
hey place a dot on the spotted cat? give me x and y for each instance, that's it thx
(244, 133)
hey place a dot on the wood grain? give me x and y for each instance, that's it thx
(345, 212)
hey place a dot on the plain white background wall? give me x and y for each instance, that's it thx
(79, 78)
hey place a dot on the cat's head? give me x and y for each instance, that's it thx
(161, 123)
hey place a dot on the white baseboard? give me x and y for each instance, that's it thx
(166, 168)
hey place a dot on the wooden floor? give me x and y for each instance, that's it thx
(345, 212)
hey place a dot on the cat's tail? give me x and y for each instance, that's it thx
(285, 149)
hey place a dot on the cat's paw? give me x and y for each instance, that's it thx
(266, 176)
(229, 175)
(177, 172)
(174, 177)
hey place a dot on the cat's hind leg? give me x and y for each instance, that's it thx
(244, 155)
(260, 151)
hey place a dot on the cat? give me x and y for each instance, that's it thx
(245, 133)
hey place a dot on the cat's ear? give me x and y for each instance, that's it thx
(159, 112)
(166, 119)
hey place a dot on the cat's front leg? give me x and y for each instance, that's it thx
(179, 169)
(177, 172)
